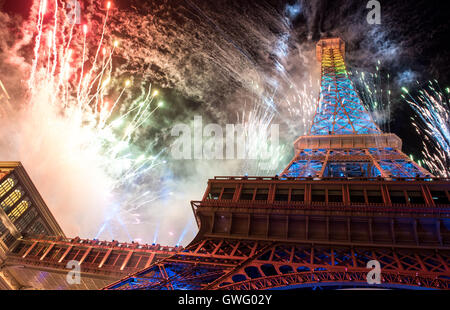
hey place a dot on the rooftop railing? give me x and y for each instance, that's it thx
(103, 243)
(315, 178)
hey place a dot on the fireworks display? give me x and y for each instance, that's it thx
(83, 134)
(75, 109)
(90, 113)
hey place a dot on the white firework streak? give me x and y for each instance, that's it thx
(432, 122)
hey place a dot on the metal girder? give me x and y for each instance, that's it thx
(54, 252)
(384, 162)
(276, 265)
(340, 110)
(247, 262)
(341, 279)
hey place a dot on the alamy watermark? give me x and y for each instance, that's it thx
(374, 15)
(374, 275)
(212, 141)
(73, 277)
(74, 12)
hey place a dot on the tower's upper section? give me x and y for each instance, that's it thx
(340, 110)
(336, 43)
(344, 141)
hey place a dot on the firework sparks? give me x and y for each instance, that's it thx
(263, 151)
(375, 97)
(432, 122)
(73, 90)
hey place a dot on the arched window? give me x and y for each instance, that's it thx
(12, 198)
(19, 210)
(6, 185)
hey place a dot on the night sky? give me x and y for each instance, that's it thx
(209, 46)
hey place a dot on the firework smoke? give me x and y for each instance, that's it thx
(83, 136)
(66, 130)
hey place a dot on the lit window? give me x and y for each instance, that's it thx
(6, 186)
(11, 199)
(19, 210)
(214, 193)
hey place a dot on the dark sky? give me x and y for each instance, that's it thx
(422, 27)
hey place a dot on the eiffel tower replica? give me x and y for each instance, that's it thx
(349, 196)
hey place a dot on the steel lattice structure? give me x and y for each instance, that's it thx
(340, 110)
(44, 259)
(348, 196)
(343, 140)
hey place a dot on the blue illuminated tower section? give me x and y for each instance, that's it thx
(340, 110)
(343, 140)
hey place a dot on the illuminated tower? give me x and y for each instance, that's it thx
(343, 140)
(349, 196)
